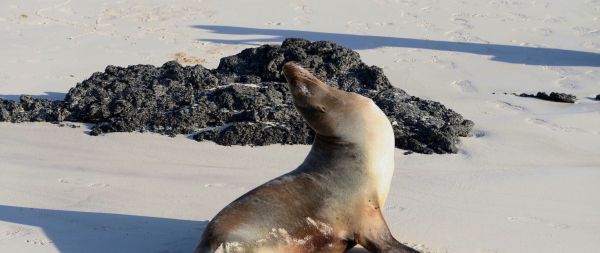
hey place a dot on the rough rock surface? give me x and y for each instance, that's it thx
(243, 101)
(32, 109)
(554, 96)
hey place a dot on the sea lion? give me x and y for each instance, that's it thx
(333, 200)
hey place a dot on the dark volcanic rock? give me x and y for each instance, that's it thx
(598, 97)
(32, 109)
(170, 99)
(339, 66)
(244, 101)
(251, 133)
(418, 123)
(554, 96)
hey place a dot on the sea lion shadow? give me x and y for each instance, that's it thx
(541, 56)
(75, 232)
(357, 250)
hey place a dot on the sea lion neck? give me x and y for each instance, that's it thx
(329, 152)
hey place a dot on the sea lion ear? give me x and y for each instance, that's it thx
(321, 108)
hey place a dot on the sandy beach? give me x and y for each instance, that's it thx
(526, 181)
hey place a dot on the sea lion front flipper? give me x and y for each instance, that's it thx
(377, 238)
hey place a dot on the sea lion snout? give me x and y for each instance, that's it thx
(302, 83)
(290, 69)
(335, 113)
(293, 72)
(315, 100)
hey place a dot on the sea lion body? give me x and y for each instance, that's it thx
(332, 200)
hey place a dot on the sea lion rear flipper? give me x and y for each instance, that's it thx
(377, 238)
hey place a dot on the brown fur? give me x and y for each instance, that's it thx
(329, 203)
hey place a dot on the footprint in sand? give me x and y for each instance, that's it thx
(464, 36)
(384, 23)
(509, 107)
(15, 232)
(461, 22)
(64, 180)
(535, 220)
(353, 26)
(395, 208)
(524, 219)
(583, 31)
(544, 31)
(567, 83)
(559, 226)
(554, 19)
(39, 242)
(446, 64)
(304, 10)
(406, 59)
(553, 126)
(78, 182)
(275, 23)
(592, 45)
(464, 86)
(573, 79)
(213, 185)
(505, 2)
(73, 181)
(300, 5)
(98, 185)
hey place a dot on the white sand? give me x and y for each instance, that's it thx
(527, 183)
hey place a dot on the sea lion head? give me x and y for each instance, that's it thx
(340, 115)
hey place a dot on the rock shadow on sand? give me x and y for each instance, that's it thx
(502, 53)
(91, 232)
